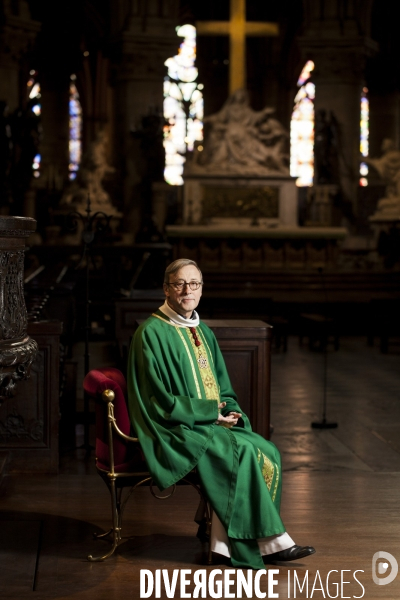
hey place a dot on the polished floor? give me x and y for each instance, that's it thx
(341, 494)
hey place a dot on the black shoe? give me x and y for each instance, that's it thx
(293, 553)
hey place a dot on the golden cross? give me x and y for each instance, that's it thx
(237, 28)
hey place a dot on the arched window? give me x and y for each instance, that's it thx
(302, 129)
(183, 106)
(364, 136)
(75, 129)
(35, 105)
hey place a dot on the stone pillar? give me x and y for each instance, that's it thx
(143, 37)
(54, 64)
(336, 38)
(17, 34)
(17, 349)
(55, 126)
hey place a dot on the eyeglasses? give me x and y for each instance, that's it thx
(179, 285)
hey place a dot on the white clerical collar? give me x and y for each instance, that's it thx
(178, 319)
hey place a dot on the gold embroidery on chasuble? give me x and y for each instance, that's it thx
(207, 376)
(178, 329)
(203, 339)
(267, 470)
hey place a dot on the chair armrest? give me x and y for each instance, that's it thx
(108, 397)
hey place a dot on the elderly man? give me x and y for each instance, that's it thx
(186, 415)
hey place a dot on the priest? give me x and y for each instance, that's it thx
(185, 414)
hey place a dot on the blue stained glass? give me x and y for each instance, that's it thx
(364, 136)
(34, 95)
(75, 129)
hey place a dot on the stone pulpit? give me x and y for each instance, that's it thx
(240, 176)
(17, 349)
(29, 365)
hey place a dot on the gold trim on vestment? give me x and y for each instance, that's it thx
(163, 320)
(178, 329)
(206, 374)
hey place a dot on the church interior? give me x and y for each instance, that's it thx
(262, 140)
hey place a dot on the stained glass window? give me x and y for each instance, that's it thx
(302, 129)
(364, 135)
(34, 104)
(75, 129)
(183, 106)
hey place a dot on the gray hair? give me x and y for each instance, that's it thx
(177, 265)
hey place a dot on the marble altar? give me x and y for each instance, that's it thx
(234, 200)
(240, 174)
(240, 207)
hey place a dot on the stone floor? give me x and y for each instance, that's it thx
(341, 494)
(362, 396)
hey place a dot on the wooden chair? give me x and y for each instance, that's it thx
(119, 458)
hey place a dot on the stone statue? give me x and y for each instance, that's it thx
(240, 140)
(388, 167)
(89, 180)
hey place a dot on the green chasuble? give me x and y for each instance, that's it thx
(174, 388)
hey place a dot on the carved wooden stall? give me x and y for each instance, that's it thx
(255, 250)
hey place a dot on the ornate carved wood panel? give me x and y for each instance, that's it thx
(29, 421)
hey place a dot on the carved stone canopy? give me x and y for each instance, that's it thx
(17, 349)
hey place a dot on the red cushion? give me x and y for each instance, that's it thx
(127, 455)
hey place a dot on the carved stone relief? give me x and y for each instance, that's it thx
(240, 140)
